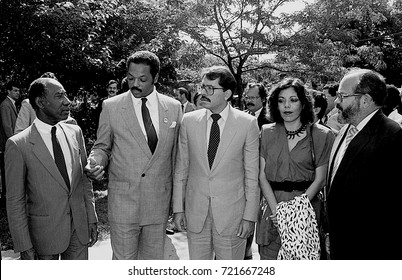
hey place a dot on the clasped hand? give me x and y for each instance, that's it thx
(93, 170)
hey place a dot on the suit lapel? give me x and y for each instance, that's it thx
(358, 143)
(164, 123)
(228, 133)
(202, 137)
(42, 153)
(132, 124)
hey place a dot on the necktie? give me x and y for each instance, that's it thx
(182, 107)
(214, 138)
(149, 127)
(59, 157)
(349, 136)
(252, 113)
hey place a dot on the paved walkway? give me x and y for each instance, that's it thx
(175, 248)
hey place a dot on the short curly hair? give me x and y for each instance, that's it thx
(307, 113)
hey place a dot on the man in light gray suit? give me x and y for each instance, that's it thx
(216, 193)
(136, 139)
(50, 202)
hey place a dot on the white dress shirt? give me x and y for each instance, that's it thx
(153, 108)
(45, 132)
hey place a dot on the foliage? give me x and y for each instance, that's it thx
(235, 31)
(335, 35)
(85, 43)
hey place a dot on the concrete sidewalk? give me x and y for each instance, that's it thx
(176, 248)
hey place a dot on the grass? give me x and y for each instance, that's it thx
(100, 193)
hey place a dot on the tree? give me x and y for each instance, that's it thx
(237, 32)
(335, 35)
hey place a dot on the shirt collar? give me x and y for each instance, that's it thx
(257, 113)
(42, 126)
(152, 98)
(224, 114)
(363, 123)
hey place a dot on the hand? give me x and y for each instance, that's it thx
(246, 228)
(274, 219)
(180, 221)
(93, 170)
(93, 234)
(29, 254)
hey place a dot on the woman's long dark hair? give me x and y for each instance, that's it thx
(307, 113)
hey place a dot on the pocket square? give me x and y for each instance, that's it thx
(173, 125)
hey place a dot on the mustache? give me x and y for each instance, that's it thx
(250, 104)
(135, 88)
(204, 98)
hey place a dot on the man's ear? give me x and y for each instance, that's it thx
(156, 78)
(228, 94)
(40, 102)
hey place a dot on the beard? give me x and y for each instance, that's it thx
(347, 114)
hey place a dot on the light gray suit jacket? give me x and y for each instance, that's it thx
(231, 185)
(8, 117)
(140, 183)
(40, 206)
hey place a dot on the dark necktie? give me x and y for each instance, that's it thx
(214, 138)
(59, 157)
(149, 127)
(182, 107)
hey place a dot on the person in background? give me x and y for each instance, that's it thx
(111, 88)
(294, 155)
(50, 201)
(255, 97)
(392, 103)
(215, 191)
(331, 113)
(364, 182)
(27, 114)
(184, 96)
(136, 140)
(8, 117)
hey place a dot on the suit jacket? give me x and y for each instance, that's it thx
(26, 116)
(8, 114)
(140, 183)
(263, 118)
(231, 185)
(189, 108)
(40, 206)
(364, 196)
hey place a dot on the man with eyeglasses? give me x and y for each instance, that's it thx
(364, 185)
(255, 97)
(215, 185)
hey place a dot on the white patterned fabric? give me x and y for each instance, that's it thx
(297, 227)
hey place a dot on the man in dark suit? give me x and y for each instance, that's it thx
(50, 202)
(364, 188)
(184, 96)
(255, 96)
(8, 113)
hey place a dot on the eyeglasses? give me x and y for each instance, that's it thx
(209, 90)
(342, 96)
(251, 97)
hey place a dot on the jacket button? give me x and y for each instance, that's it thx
(143, 175)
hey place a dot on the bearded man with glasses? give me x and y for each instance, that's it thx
(363, 186)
